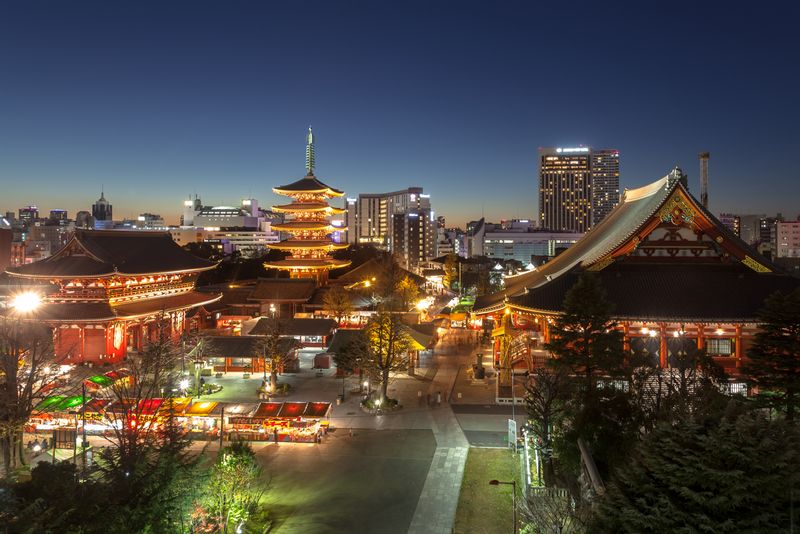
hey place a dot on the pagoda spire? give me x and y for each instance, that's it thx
(310, 152)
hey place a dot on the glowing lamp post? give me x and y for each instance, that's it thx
(27, 302)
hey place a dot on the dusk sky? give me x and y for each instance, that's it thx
(156, 101)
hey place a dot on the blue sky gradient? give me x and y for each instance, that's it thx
(158, 100)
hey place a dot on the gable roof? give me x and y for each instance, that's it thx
(372, 269)
(636, 211)
(109, 252)
(342, 338)
(296, 327)
(283, 289)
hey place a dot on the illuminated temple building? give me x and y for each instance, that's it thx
(110, 292)
(310, 242)
(673, 272)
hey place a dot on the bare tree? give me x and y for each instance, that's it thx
(150, 375)
(553, 511)
(546, 395)
(26, 355)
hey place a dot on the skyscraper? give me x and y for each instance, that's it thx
(400, 222)
(605, 183)
(578, 187)
(101, 210)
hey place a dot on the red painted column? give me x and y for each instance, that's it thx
(738, 347)
(701, 336)
(662, 351)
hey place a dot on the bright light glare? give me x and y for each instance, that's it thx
(26, 302)
(184, 384)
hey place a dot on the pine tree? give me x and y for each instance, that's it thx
(737, 476)
(773, 364)
(584, 340)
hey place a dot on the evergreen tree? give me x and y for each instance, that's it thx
(588, 348)
(737, 476)
(773, 364)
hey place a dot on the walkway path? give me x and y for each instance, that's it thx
(436, 509)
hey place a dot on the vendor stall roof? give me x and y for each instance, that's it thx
(267, 409)
(176, 405)
(100, 380)
(317, 409)
(149, 406)
(96, 405)
(200, 408)
(70, 403)
(47, 404)
(240, 409)
(292, 409)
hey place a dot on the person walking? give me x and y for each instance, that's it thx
(438, 398)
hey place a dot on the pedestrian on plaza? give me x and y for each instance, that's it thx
(351, 431)
(276, 435)
(44, 444)
(438, 397)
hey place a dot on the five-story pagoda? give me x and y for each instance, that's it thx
(310, 242)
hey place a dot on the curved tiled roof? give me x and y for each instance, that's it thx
(694, 292)
(309, 184)
(108, 252)
(695, 282)
(636, 207)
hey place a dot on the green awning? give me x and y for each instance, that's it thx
(69, 403)
(48, 402)
(100, 380)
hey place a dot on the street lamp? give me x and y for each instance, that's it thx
(184, 385)
(26, 302)
(513, 485)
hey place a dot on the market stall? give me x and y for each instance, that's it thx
(300, 422)
(202, 418)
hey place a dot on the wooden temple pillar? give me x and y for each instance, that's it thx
(626, 340)
(738, 347)
(662, 349)
(701, 336)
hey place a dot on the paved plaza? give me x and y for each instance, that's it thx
(368, 482)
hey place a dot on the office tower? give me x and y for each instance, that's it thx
(383, 219)
(28, 214)
(101, 210)
(605, 183)
(578, 187)
(58, 215)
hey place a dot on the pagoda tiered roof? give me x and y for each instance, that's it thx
(714, 276)
(308, 207)
(306, 226)
(311, 244)
(310, 184)
(104, 253)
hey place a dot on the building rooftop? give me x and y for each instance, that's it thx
(110, 252)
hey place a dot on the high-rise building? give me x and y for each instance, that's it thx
(28, 214)
(413, 237)
(83, 219)
(59, 215)
(605, 183)
(788, 239)
(373, 218)
(732, 222)
(578, 187)
(101, 210)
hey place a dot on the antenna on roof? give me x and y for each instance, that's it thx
(704, 178)
(310, 152)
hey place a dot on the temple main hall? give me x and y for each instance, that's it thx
(109, 292)
(674, 273)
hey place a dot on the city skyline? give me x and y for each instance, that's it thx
(216, 102)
